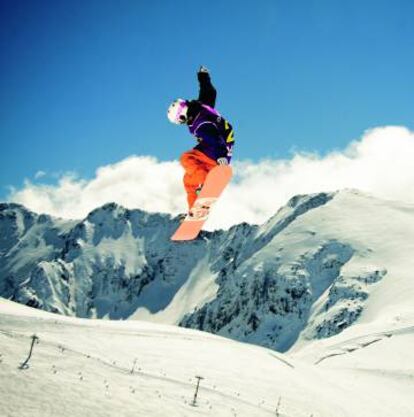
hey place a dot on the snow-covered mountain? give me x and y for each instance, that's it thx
(322, 263)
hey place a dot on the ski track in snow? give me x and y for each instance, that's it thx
(362, 342)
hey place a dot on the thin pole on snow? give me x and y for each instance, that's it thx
(194, 403)
(25, 365)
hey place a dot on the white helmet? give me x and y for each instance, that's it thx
(177, 112)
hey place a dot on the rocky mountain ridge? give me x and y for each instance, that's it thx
(307, 273)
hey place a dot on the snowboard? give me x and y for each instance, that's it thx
(215, 183)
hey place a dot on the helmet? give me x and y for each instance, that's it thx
(177, 112)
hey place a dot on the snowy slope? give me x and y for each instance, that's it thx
(132, 368)
(321, 264)
(324, 263)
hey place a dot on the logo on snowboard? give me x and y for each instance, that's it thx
(201, 209)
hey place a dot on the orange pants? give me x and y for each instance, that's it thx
(196, 166)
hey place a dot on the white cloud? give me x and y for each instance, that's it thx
(380, 163)
(39, 174)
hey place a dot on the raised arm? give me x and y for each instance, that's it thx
(207, 93)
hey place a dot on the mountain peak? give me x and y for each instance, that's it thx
(105, 212)
(309, 201)
(14, 207)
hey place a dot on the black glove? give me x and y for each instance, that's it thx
(203, 74)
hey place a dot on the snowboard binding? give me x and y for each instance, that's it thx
(201, 209)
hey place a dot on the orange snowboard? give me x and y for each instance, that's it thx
(216, 182)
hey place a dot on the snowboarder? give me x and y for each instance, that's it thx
(213, 133)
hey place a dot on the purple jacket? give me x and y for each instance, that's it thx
(213, 133)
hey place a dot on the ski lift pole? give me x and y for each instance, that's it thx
(25, 365)
(199, 378)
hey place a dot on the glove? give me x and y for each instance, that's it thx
(203, 69)
(222, 161)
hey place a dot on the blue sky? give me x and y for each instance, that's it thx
(87, 83)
